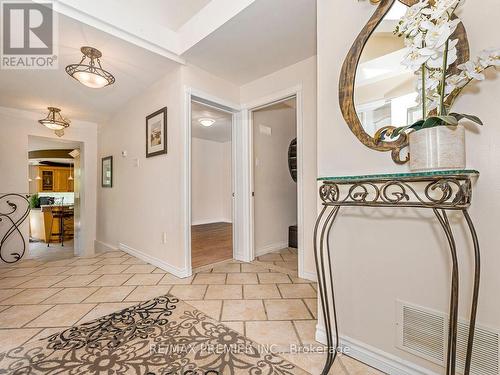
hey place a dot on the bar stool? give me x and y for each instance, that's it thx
(59, 213)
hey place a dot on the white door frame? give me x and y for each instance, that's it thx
(221, 104)
(248, 108)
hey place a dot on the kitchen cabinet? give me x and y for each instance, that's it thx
(54, 179)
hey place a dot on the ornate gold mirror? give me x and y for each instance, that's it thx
(376, 91)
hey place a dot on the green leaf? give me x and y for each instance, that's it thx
(460, 116)
(438, 121)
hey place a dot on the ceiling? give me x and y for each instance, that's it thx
(220, 131)
(42, 143)
(263, 38)
(134, 68)
(168, 13)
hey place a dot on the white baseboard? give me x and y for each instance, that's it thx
(179, 272)
(211, 221)
(376, 358)
(270, 248)
(309, 276)
(103, 246)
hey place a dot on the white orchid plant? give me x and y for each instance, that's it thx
(428, 28)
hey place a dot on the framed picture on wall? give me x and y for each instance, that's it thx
(156, 133)
(107, 172)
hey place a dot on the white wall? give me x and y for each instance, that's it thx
(275, 201)
(412, 261)
(148, 200)
(302, 74)
(211, 181)
(15, 128)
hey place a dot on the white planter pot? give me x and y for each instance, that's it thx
(438, 148)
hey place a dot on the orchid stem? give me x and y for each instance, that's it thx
(424, 97)
(442, 109)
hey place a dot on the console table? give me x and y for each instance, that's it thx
(438, 191)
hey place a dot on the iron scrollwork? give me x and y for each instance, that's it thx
(446, 192)
(14, 210)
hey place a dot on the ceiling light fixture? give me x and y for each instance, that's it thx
(55, 121)
(206, 121)
(90, 74)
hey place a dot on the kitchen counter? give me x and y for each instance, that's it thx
(42, 219)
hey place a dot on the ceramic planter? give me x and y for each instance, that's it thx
(437, 148)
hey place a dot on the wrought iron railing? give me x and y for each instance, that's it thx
(14, 210)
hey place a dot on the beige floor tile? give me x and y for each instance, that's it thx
(286, 250)
(140, 268)
(189, 292)
(71, 295)
(273, 278)
(210, 278)
(312, 304)
(62, 315)
(42, 281)
(280, 309)
(228, 267)
(144, 279)
(76, 281)
(247, 267)
(30, 296)
(84, 262)
(289, 257)
(110, 269)
(134, 261)
(50, 271)
(315, 286)
(261, 291)
(242, 310)
(280, 334)
(147, 292)
(6, 294)
(298, 280)
(307, 331)
(110, 294)
(288, 265)
(12, 338)
(108, 261)
(29, 263)
(344, 365)
(297, 291)
(171, 279)
(236, 326)
(59, 263)
(212, 308)
(112, 254)
(271, 257)
(81, 270)
(12, 282)
(111, 280)
(104, 309)
(242, 278)
(18, 316)
(20, 272)
(224, 292)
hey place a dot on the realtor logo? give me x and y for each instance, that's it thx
(28, 35)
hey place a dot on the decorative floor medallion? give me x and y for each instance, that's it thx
(158, 337)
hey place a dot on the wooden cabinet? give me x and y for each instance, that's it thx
(55, 179)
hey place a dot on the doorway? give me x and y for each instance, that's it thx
(54, 183)
(211, 184)
(275, 198)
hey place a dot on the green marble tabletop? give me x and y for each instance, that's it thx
(403, 176)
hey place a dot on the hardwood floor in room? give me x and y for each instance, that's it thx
(211, 243)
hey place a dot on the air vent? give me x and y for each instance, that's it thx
(424, 332)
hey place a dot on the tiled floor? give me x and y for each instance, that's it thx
(40, 296)
(285, 260)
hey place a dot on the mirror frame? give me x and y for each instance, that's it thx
(348, 78)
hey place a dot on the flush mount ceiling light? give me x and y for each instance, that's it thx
(206, 121)
(90, 73)
(55, 121)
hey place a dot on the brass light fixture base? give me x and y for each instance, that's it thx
(91, 52)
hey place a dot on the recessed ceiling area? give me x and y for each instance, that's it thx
(261, 39)
(220, 131)
(134, 68)
(41, 143)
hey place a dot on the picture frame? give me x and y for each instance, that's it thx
(107, 172)
(156, 133)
